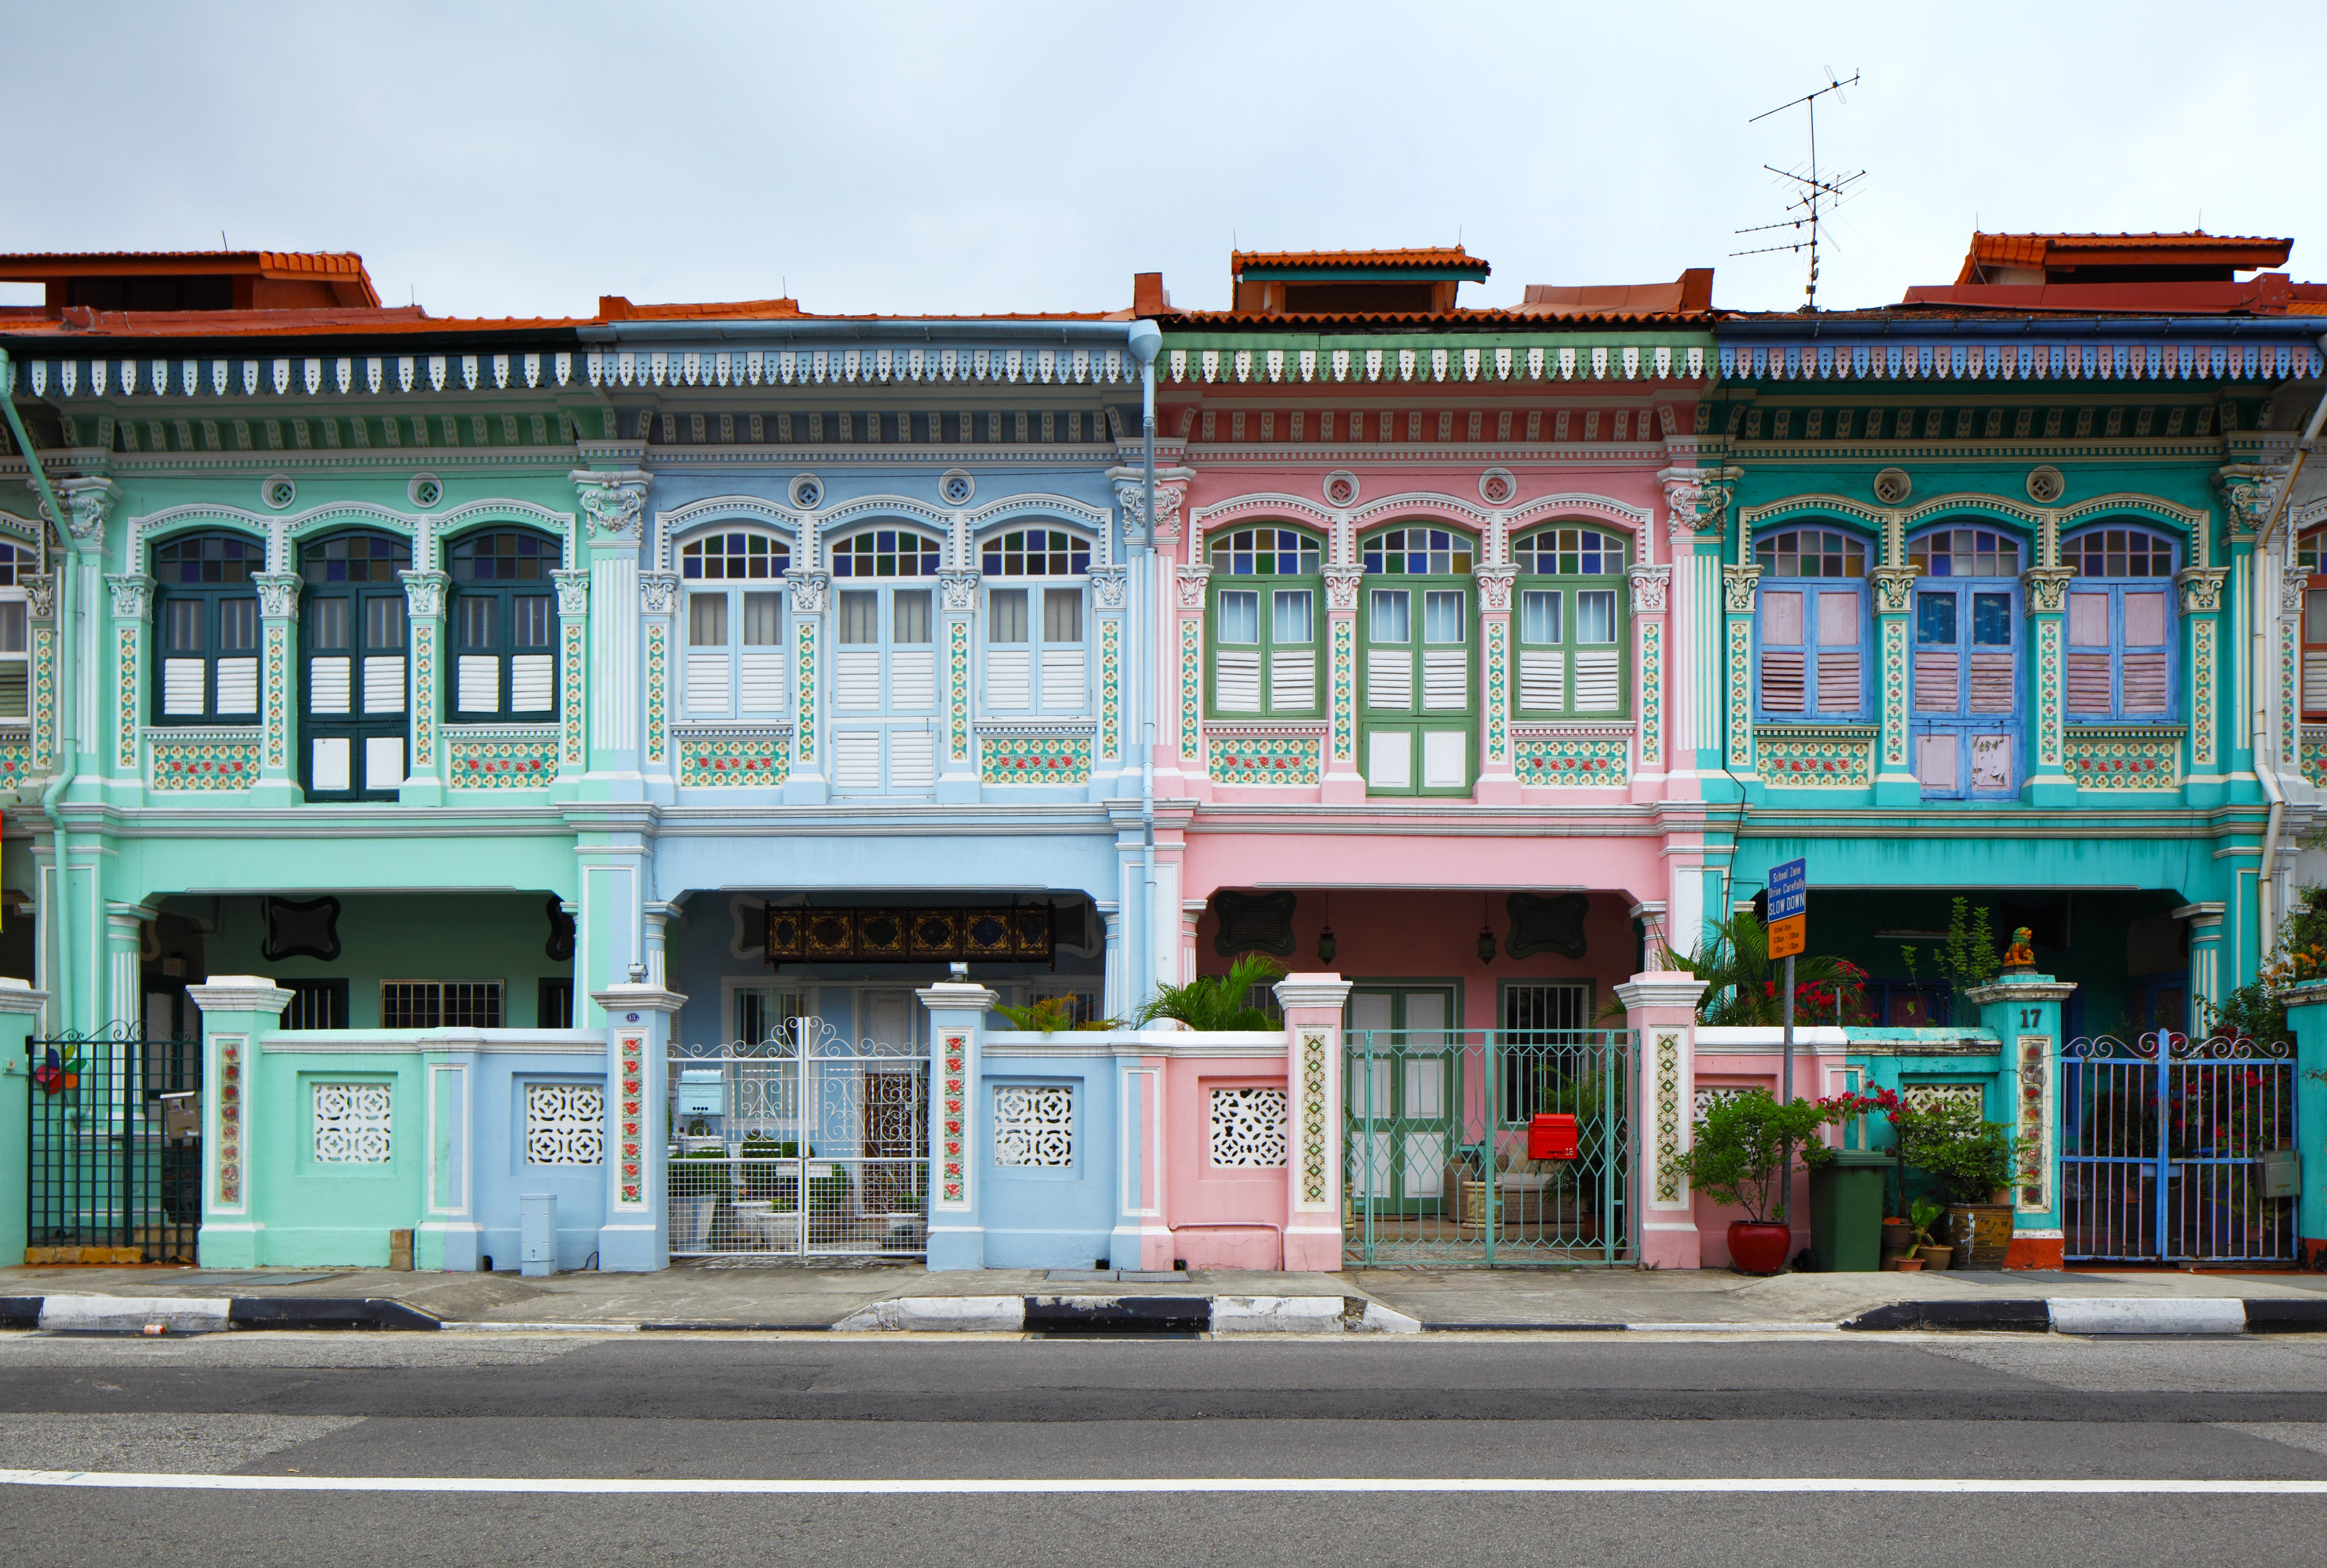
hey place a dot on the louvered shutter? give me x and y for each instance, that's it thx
(1390, 679)
(856, 760)
(1062, 680)
(1781, 680)
(913, 760)
(1543, 679)
(1992, 687)
(706, 681)
(383, 682)
(1936, 685)
(182, 688)
(533, 683)
(1446, 680)
(2145, 683)
(1236, 680)
(237, 686)
(1597, 687)
(2314, 681)
(478, 683)
(1837, 680)
(1009, 678)
(2088, 682)
(763, 682)
(914, 678)
(329, 683)
(857, 680)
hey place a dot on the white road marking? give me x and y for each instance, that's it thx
(895, 1486)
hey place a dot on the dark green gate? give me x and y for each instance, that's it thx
(115, 1144)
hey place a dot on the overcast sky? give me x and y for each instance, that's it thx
(520, 159)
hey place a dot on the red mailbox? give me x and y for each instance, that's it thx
(1551, 1137)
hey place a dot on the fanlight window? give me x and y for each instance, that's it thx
(17, 565)
(1266, 553)
(1570, 553)
(209, 560)
(1965, 553)
(1037, 553)
(885, 552)
(735, 558)
(2118, 552)
(1418, 552)
(1811, 553)
(505, 558)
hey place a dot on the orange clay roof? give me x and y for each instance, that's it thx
(1346, 260)
(77, 322)
(28, 266)
(2193, 248)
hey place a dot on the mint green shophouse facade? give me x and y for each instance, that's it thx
(260, 744)
(1998, 622)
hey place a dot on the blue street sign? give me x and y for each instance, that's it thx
(1788, 892)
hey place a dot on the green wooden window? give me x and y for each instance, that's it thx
(1573, 624)
(1418, 703)
(504, 615)
(352, 631)
(1267, 594)
(206, 626)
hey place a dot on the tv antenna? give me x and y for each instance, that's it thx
(1813, 194)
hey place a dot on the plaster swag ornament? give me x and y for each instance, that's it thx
(615, 503)
(1698, 499)
(2247, 490)
(89, 502)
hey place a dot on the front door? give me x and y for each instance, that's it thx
(1402, 1103)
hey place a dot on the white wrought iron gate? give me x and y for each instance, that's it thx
(806, 1143)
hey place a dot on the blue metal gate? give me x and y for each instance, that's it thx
(2163, 1141)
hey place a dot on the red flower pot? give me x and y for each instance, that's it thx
(1758, 1246)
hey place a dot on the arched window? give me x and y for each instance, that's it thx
(2120, 624)
(1967, 673)
(504, 614)
(1265, 639)
(1035, 656)
(885, 688)
(1416, 707)
(1572, 619)
(351, 630)
(17, 562)
(735, 663)
(2310, 554)
(207, 615)
(1812, 619)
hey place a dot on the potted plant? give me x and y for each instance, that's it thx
(1739, 1159)
(1930, 1254)
(1216, 1002)
(1974, 1161)
(1898, 1243)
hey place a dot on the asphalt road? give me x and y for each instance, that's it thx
(352, 1414)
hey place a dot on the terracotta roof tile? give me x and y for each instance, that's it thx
(2194, 248)
(1350, 260)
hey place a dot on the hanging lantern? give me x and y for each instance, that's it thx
(1326, 946)
(1486, 944)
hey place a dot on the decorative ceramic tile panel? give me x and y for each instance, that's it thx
(565, 1124)
(2050, 742)
(657, 691)
(278, 694)
(424, 687)
(2315, 753)
(128, 681)
(1931, 1096)
(353, 1124)
(734, 760)
(1248, 1127)
(804, 659)
(2290, 700)
(1315, 1189)
(1497, 693)
(1110, 689)
(229, 1120)
(205, 765)
(1574, 759)
(1741, 694)
(1894, 694)
(1034, 1126)
(1805, 758)
(574, 715)
(1240, 758)
(1034, 759)
(15, 763)
(1668, 1115)
(1652, 695)
(1192, 687)
(44, 697)
(952, 1166)
(1345, 700)
(632, 1051)
(529, 763)
(958, 686)
(2124, 760)
(2201, 692)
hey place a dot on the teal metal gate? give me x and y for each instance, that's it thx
(1438, 1170)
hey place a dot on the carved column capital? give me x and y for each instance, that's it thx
(1192, 579)
(657, 591)
(1895, 589)
(2047, 588)
(959, 590)
(2202, 589)
(807, 591)
(1651, 588)
(1739, 585)
(133, 597)
(1495, 588)
(573, 591)
(424, 592)
(278, 594)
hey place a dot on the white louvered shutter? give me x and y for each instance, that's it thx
(2314, 681)
(328, 684)
(1991, 682)
(1837, 680)
(1008, 684)
(1236, 680)
(533, 683)
(856, 760)
(1062, 680)
(857, 680)
(1935, 681)
(479, 676)
(1292, 680)
(914, 678)
(1597, 688)
(913, 760)
(237, 686)
(383, 682)
(763, 682)
(706, 681)
(1781, 680)
(182, 688)
(1445, 684)
(1390, 679)
(1543, 679)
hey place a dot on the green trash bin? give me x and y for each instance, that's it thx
(1846, 1211)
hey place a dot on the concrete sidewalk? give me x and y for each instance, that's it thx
(759, 1295)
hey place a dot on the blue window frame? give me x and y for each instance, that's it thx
(1811, 623)
(1967, 673)
(2121, 664)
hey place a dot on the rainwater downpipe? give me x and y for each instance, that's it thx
(2265, 744)
(69, 742)
(1144, 340)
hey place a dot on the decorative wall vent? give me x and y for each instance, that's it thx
(565, 1124)
(1248, 1127)
(352, 1124)
(1034, 1126)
